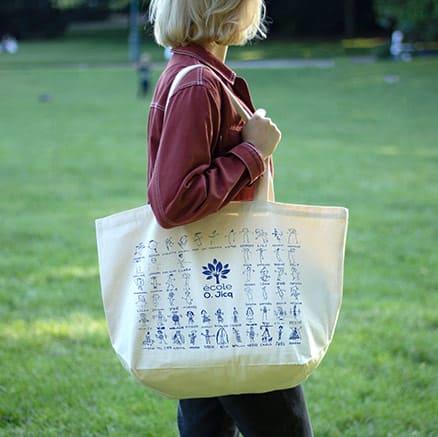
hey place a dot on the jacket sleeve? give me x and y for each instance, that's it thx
(187, 181)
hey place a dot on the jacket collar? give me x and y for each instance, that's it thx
(205, 57)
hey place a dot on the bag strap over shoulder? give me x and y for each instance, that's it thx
(265, 187)
(237, 105)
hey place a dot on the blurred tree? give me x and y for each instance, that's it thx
(134, 37)
(417, 18)
(320, 17)
(23, 18)
(71, 4)
(67, 4)
(350, 17)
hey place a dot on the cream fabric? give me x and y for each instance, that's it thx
(243, 301)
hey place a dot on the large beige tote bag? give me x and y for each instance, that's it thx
(243, 301)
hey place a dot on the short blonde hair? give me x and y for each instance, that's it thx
(225, 22)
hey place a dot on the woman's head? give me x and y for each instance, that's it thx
(225, 22)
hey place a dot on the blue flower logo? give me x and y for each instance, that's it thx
(216, 270)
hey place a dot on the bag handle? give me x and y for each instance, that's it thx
(264, 190)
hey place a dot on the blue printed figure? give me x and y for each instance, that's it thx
(251, 334)
(170, 282)
(139, 282)
(280, 313)
(141, 302)
(178, 338)
(277, 234)
(161, 336)
(176, 318)
(143, 318)
(138, 254)
(160, 318)
(187, 292)
(248, 272)
(154, 282)
(182, 261)
(246, 255)
(249, 314)
(153, 247)
(264, 274)
(245, 235)
(169, 243)
(249, 294)
(198, 239)
(295, 292)
(190, 317)
(261, 235)
(156, 300)
(235, 314)
(205, 317)
(213, 237)
(139, 249)
(291, 256)
(280, 291)
(231, 237)
(148, 339)
(171, 297)
(280, 332)
(266, 336)
(186, 277)
(280, 272)
(261, 252)
(295, 274)
(207, 336)
(295, 335)
(237, 335)
(220, 315)
(264, 311)
(296, 312)
(222, 337)
(192, 337)
(292, 238)
(182, 242)
(188, 297)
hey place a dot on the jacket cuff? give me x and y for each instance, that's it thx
(251, 158)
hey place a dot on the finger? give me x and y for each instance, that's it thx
(260, 112)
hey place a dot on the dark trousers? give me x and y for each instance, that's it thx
(281, 413)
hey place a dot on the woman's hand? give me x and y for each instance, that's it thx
(261, 132)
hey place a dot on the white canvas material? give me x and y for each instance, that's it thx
(243, 301)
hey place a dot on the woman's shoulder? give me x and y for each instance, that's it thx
(196, 78)
(196, 75)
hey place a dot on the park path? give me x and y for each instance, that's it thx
(283, 63)
(289, 63)
(295, 63)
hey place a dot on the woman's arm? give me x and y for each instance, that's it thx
(187, 182)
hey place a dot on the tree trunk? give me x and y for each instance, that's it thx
(350, 18)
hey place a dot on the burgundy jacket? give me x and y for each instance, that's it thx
(197, 162)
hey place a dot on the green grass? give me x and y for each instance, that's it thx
(105, 47)
(349, 138)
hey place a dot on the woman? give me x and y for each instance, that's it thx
(201, 156)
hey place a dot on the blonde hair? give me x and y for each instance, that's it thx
(225, 22)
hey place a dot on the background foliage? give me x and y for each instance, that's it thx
(288, 18)
(416, 17)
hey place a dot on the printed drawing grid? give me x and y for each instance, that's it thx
(255, 301)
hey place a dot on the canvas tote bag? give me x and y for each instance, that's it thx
(243, 301)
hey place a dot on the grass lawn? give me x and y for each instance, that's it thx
(105, 47)
(72, 148)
